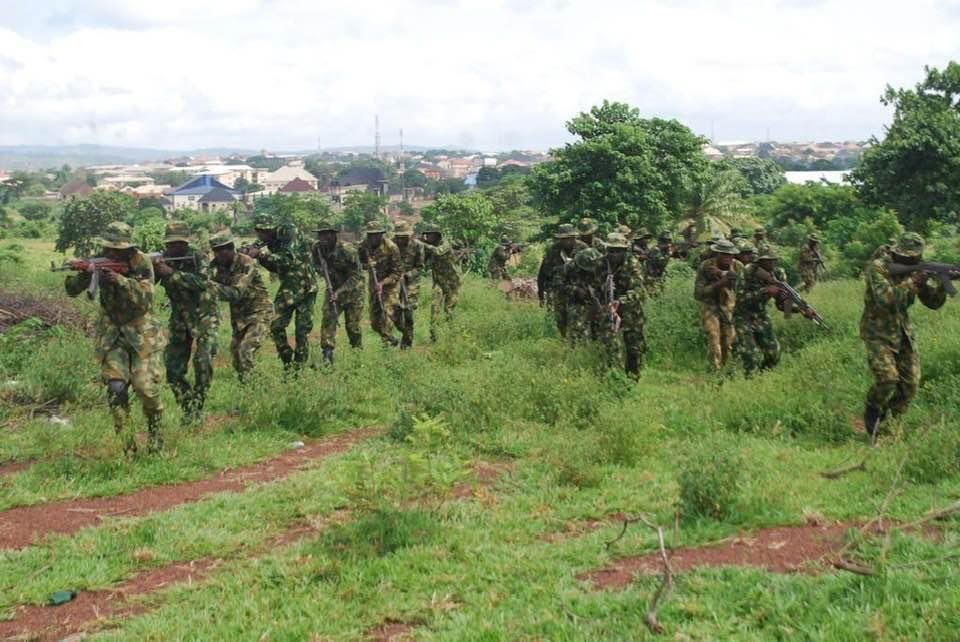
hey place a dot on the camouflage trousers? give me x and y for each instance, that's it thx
(582, 322)
(809, 276)
(720, 332)
(133, 355)
(654, 285)
(626, 347)
(248, 335)
(200, 339)
(757, 344)
(404, 312)
(444, 302)
(285, 309)
(351, 307)
(560, 312)
(896, 375)
(383, 317)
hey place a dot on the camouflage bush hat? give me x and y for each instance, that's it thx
(374, 227)
(326, 225)
(504, 239)
(768, 255)
(910, 244)
(665, 236)
(221, 239)
(624, 229)
(587, 259)
(264, 221)
(431, 229)
(723, 246)
(403, 228)
(615, 239)
(760, 231)
(642, 233)
(117, 236)
(566, 231)
(176, 231)
(735, 232)
(587, 226)
(814, 237)
(746, 247)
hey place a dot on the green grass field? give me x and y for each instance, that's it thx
(408, 528)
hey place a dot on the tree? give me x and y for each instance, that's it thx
(470, 218)
(915, 170)
(448, 186)
(34, 210)
(487, 177)
(246, 187)
(174, 178)
(414, 178)
(293, 209)
(360, 208)
(84, 220)
(714, 201)
(761, 175)
(624, 169)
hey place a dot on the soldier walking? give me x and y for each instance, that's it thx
(714, 291)
(810, 262)
(338, 264)
(623, 294)
(655, 267)
(550, 288)
(381, 258)
(413, 259)
(445, 269)
(582, 280)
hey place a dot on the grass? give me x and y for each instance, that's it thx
(581, 444)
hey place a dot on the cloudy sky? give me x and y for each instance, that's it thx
(490, 74)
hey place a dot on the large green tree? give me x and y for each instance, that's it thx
(760, 175)
(85, 219)
(470, 218)
(623, 169)
(360, 208)
(915, 169)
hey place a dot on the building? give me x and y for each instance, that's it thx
(230, 174)
(192, 193)
(75, 189)
(273, 181)
(297, 186)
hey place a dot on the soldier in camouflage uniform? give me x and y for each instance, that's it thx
(237, 279)
(810, 262)
(641, 244)
(550, 288)
(194, 321)
(623, 294)
(655, 267)
(445, 268)
(886, 329)
(714, 291)
(286, 254)
(756, 342)
(338, 264)
(128, 339)
(760, 241)
(625, 230)
(736, 234)
(746, 252)
(497, 266)
(689, 243)
(413, 257)
(381, 259)
(587, 228)
(582, 282)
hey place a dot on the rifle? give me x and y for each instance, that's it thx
(326, 278)
(792, 296)
(613, 305)
(96, 265)
(405, 301)
(245, 249)
(376, 285)
(945, 272)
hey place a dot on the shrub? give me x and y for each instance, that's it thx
(709, 480)
(934, 456)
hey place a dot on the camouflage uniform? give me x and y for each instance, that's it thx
(587, 228)
(582, 282)
(241, 284)
(288, 257)
(756, 342)
(413, 258)
(342, 264)
(717, 303)
(809, 263)
(497, 266)
(384, 264)
(550, 276)
(887, 332)
(194, 318)
(628, 293)
(761, 243)
(445, 268)
(655, 267)
(641, 247)
(128, 339)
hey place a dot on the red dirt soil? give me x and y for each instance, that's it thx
(391, 631)
(13, 467)
(485, 475)
(19, 527)
(788, 549)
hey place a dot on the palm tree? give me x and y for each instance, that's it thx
(714, 203)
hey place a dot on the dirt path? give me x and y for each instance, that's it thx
(19, 527)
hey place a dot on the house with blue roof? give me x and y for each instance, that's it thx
(203, 193)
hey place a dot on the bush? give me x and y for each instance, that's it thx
(709, 481)
(35, 210)
(934, 456)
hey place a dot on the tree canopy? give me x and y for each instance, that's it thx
(760, 175)
(85, 219)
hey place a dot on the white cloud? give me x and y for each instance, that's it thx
(497, 74)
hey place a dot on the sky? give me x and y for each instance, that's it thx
(484, 74)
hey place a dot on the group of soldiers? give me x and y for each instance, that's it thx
(133, 350)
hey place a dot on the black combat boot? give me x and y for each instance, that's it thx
(871, 420)
(632, 365)
(154, 435)
(328, 356)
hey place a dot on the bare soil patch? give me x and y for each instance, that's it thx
(20, 306)
(786, 549)
(485, 474)
(391, 631)
(13, 467)
(19, 527)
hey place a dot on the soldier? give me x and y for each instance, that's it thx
(747, 253)
(445, 268)
(338, 264)
(714, 290)
(587, 228)
(413, 257)
(497, 267)
(641, 244)
(582, 281)
(886, 329)
(625, 230)
(381, 258)
(550, 276)
(128, 338)
(655, 267)
(624, 296)
(285, 254)
(237, 279)
(194, 319)
(756, 342)
(682, 250)
(760, 241)
(736, 234)
(810, 262)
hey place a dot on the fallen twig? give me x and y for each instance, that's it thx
(853, 567)
(932, 516)
(840, 472)
(666, 583)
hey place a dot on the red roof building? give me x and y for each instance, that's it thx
(297, 186)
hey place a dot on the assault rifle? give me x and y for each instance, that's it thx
(326, 278)
(377, 289)
(98, 264)
(405, 302)
(944, 271)
(790, 295)
(613, 305)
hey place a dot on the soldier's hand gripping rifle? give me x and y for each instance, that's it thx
(613, 305)
(257, 245)
(790, 299)
(945, 272)
(375, 284)
(330, 291)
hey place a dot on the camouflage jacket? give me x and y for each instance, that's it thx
(343, 267)
(707, 288)
(191, 301)
(751, 292)
(414, 259)
(627, 281)
(385, 261)
(808, 259)
(444, 266)
(498, 260)
(583, 288)
(550, 275)
(287, 257)
(655, 267)
(241, 284)
(887, 300)
(126, 307)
